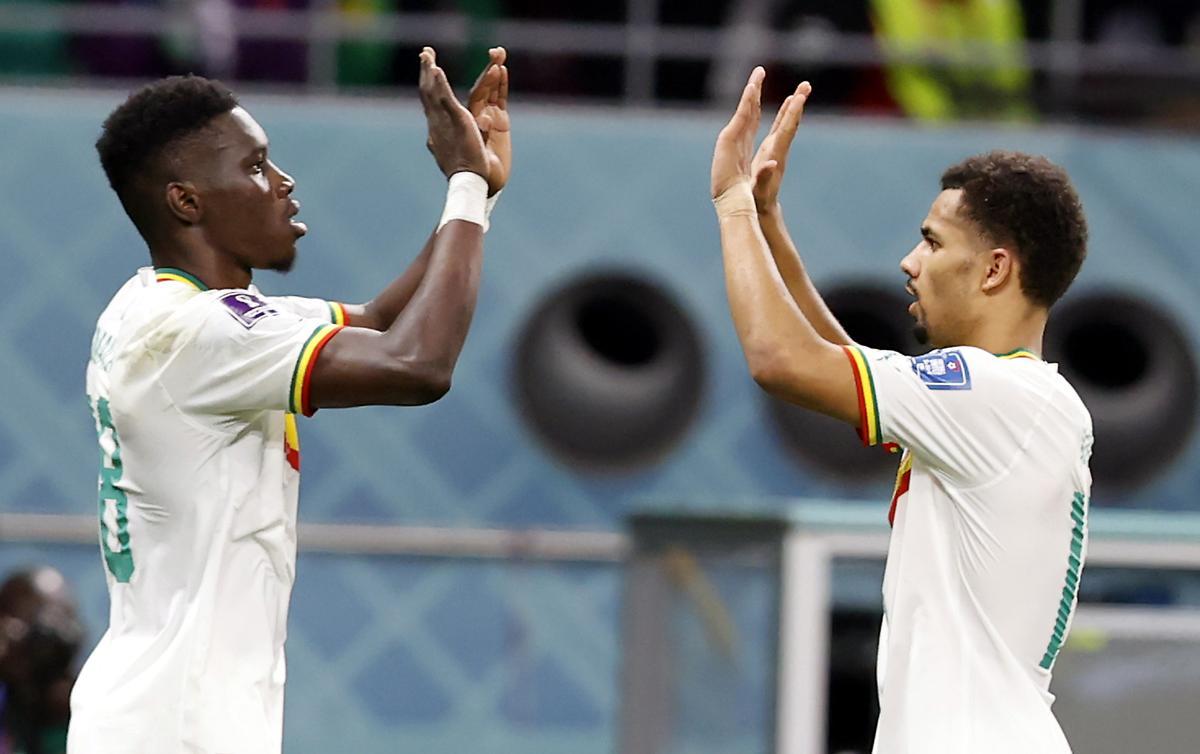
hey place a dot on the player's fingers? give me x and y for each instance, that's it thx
(484, 90)
(425, 78)
(502, 90)
(752, 95)
(744, 113)
(498, 55)
(779, 115)
(484, 83)
(796, 110)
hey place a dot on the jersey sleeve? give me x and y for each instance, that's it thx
(960, 410)
(310, 308)
(249, 353)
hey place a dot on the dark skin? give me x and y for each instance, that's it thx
(234, 214)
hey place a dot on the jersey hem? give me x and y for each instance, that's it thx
(298, 400)
(337, 313)
(868, 406)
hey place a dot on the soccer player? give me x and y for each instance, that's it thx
(195, 378)
(990, 507)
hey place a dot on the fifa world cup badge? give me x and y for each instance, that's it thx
(943, 370)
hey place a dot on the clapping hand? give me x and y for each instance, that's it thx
(454, 136)
(488, 103)
(767, 167)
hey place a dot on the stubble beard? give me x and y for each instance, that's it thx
(921, 333)
(284, 266)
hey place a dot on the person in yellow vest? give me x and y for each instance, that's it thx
(989, 75)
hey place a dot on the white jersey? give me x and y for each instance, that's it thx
(194, 393)
(989, 536)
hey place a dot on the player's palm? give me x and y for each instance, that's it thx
(488, 103)
(767, 168)
(735, 143)
(495, 125)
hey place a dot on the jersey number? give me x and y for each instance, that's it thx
(114, 522)
(1070, 592)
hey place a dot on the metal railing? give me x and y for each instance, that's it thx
(639, 44)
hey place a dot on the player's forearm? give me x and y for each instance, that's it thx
(787, 357)
(431, 326)
(795, 277)
(413, 360)
(380, 312)
(769, 325)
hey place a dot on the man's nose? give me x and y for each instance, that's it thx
(287, 184)
(909, 265)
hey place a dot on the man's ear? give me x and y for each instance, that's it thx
(1001, 269)
(184, 202)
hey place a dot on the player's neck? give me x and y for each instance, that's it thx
(1002, 335)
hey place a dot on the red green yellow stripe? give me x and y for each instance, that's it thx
(291, 441)
(903, 479)
(174, 274)
(868, 407)
(298, 401)
(337, 313)
(1020, 353)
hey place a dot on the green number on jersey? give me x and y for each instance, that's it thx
(114, 523)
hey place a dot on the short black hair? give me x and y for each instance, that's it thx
(1026, 201)
(153, 117)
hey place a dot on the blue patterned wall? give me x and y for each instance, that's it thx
(427, 655)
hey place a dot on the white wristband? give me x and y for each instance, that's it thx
(735, 201)
(466, 199)
(487, 210)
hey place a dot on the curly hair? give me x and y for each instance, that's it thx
(1027, 202)
(152, 118)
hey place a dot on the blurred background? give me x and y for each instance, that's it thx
(605, 539)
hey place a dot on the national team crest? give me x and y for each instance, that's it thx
(247, 308)
(943, 370)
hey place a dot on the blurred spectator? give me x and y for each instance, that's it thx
(989, 76)
(40, 636)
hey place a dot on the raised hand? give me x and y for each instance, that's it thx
(735, 143)
(454, 137)
(767, 168)
(488, 103)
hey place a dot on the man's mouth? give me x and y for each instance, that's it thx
(298, 227)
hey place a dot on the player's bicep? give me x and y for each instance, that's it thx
(819, 379)
(360, 367)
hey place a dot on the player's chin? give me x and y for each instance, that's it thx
(285, 259)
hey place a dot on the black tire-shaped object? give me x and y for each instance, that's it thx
(1135, 369)
(609, 372)
(875, 316)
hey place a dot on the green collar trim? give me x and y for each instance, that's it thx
(1020, 353)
